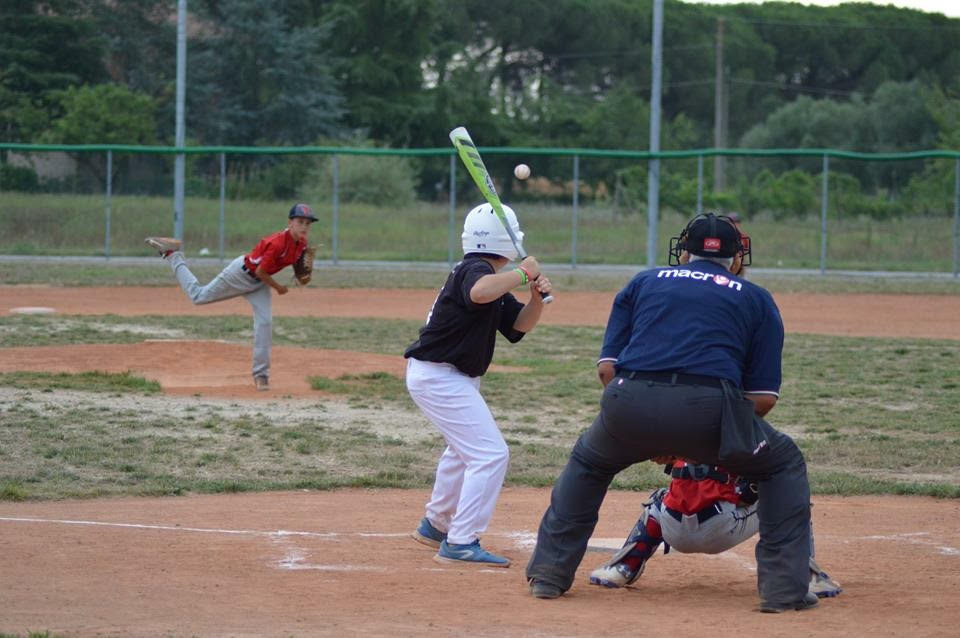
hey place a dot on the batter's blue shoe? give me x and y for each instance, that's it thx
(427, 534)
(471, 554)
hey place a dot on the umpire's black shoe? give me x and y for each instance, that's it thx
(809, 601)
(541, 589)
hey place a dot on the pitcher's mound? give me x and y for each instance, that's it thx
(209, 368)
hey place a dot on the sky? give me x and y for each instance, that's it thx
(950, 8)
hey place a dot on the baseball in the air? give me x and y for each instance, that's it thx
(521, 171)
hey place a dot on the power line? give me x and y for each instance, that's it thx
(795, 87)
(843, 25)
(778, 85)
(625, 52)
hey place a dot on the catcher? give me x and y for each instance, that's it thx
(252, 275)
(706, 510)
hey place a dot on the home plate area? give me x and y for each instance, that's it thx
(342, 562)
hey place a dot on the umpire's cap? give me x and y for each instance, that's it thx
(302, 210)
(709, 235)
(712, 236)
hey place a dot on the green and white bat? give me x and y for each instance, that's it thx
(468, 152)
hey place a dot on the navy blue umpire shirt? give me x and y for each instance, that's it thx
(697, 318)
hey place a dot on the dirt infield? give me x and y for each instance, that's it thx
(341, 563)
(219, 369)
(867, 315)
(206, 368)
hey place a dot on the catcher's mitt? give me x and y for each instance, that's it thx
(303, 267)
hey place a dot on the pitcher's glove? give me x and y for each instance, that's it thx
(303, 267)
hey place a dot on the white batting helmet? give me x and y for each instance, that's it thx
(484, 233)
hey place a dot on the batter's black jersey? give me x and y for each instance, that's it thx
(461, 332)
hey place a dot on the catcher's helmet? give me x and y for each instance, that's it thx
(710, 235)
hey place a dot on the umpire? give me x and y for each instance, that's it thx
(675, 337)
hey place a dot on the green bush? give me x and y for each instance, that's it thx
(273, 178)
(848, 200)
(364, 179)
(792, 194)
(18, 178)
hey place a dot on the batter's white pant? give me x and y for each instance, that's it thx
(472, 467)
(717, 534)
(233, 281)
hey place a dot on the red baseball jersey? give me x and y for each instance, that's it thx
(275, 252)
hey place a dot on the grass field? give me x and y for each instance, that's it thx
(76, 225)
(157, 273)
(871, 415)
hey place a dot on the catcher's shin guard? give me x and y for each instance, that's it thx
(628, 564)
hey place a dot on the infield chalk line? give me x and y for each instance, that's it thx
(521, 539)
(913, 538)
(280, 533)
(177, 528)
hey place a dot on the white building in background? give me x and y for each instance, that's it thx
(47, 165)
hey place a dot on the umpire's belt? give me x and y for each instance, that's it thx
(703, 515)
(674, 378)
(249, 272)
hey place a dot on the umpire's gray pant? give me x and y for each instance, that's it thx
(641, 419)
(233, 281)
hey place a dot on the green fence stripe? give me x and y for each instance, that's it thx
(488, 150)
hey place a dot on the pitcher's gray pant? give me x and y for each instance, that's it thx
(641, 419)
(233, 281)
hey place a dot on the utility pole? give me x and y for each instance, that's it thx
(653, 169)
(719, 116)
(179, 162)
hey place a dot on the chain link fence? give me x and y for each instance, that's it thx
(816, 209)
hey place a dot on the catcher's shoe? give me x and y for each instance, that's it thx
(470, 554)
(163, 245)
(262, 383)
(627, 564)
(821, 585)
(809, 601)
(427, 534)
(616, 575)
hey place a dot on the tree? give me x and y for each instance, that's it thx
(140, 40)
(103, 114)
(379, 48)
(44, 47)
(255, 78)
(933, 190)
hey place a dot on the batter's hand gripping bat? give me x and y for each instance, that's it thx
(467, 151)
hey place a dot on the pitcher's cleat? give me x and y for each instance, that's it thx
(163, 245)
